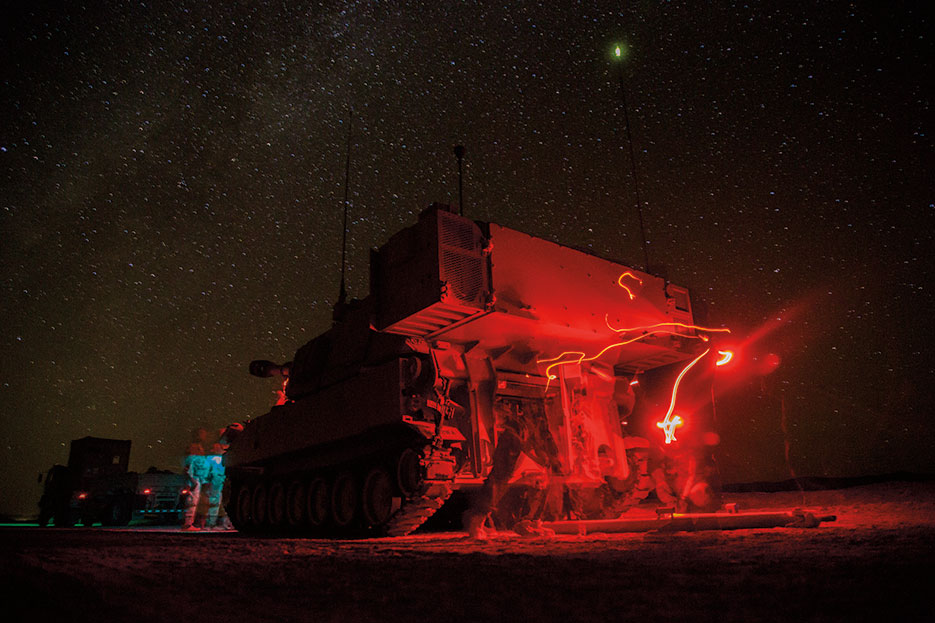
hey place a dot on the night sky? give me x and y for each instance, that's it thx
(172, 178)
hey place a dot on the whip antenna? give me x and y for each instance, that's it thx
(459, 154)
(619, 53)
(342, 295)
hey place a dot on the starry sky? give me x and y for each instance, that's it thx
(172, 180)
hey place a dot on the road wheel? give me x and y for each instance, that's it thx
(318, 503)
(343, 500)
(409, 473)
(295, 504)
(243, 518)
(276, 508)
(259, 506)
(377, 497)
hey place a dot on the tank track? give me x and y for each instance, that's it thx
(424, 482)
(416, 512)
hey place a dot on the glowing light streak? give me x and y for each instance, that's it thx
(628, 290)
(726, 356)
(578, 357)
(665, 328)
(669, 423)
(668, 426)
(666, 324)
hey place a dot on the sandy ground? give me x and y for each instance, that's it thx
(875, 562)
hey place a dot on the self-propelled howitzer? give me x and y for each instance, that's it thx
(467, 325)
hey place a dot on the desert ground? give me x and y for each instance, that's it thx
(874, 562)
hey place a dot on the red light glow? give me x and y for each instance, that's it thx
(668, 426)
(769, 364)
(147, 491)
(82, 495)
(281, 393)
(670, 422)
(725, 357)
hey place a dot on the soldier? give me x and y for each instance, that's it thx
(196, 467)
(220, 484)
(214, 485)
(522, 433)
(682, 481)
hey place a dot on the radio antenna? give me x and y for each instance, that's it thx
(459, 154)
(342, 295)
(619, 54)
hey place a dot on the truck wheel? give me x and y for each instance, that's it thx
(377, 497)
(117, 513)
(64, 519)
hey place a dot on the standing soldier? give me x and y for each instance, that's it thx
(196, 467)
(220, 484)
(214, 485)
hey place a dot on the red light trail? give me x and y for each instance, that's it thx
(628, 290)
(726, 356)
(670, 422)
(668, 426)
(703, 338)
(576, 357)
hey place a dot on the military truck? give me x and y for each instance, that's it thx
(97, 487)
(467, 325)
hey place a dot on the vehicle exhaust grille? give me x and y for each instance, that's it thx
(457, 232)
(463, 274)
(462, 267)
(439, 276)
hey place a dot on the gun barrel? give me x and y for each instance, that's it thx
(265, 369)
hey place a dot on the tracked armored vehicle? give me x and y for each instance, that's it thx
(467, 325)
